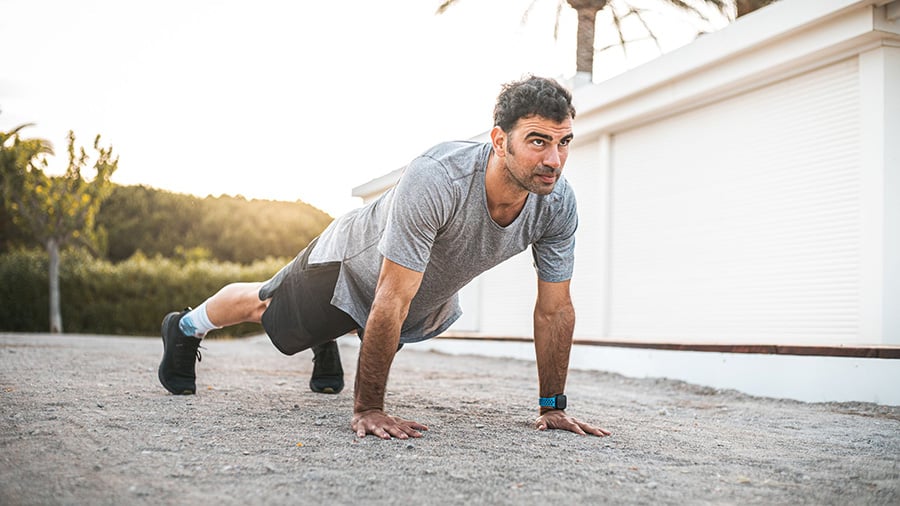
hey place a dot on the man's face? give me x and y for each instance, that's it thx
(535, 152)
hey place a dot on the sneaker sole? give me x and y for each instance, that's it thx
(326, 389)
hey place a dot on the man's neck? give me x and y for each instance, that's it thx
(504, 199)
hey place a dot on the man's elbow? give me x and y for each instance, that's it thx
(389, 308)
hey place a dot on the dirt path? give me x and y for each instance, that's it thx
(84, 421)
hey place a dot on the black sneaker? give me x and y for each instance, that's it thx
(328, 375)
(180, 355)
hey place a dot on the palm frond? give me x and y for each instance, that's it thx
(617, 22)
(560, 5)
(720, 5)
(637, 13)
(444, 6)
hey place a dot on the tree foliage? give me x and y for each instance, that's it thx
(60, 209)
(225, 228)
(55, 210)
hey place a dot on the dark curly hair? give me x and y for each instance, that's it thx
(529, 97)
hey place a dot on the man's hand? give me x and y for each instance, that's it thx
(558, 419)
(379, 423)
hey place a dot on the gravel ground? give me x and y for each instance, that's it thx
(84, 421)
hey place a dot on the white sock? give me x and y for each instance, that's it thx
(196, 323)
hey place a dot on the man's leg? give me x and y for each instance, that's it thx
(236, 303)
(182, 332)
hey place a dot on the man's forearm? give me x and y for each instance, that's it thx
(553, 343)
(376, 354)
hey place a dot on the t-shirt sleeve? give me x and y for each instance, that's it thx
(420, 208)
(554, 252)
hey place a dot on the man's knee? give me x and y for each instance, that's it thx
(244, 296)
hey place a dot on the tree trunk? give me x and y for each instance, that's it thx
(748, 6)
(587, 18)
(55, 313)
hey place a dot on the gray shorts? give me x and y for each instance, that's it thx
(300, 314)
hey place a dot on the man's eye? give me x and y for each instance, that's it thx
(537, 142)
(565, 142)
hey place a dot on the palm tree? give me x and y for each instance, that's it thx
(620, 9)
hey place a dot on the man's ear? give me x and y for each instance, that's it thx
(498, 141)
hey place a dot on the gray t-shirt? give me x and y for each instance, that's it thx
(436, 221)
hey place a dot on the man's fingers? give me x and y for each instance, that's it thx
(395, 431)
(387, 427)
(597, 431)
(590, 429)
(565, 422)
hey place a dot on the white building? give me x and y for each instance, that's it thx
(740, 194)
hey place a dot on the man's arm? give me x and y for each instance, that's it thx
(396, 287)
(554, 323)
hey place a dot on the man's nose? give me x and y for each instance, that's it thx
(553, 158)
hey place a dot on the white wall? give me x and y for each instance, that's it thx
(752, 183)
(739, 221)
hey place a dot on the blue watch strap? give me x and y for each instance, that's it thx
(556, 402)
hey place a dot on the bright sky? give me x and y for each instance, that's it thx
(274, 99)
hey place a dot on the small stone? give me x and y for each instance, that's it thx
(479, 425)
(410, 446)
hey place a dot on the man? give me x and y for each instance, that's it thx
(391, 270)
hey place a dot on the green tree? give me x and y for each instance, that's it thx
(17, 152)
(225, 228)
(56, 210)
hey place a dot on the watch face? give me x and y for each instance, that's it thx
(561, 401)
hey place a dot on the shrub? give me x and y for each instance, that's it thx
(127, 298)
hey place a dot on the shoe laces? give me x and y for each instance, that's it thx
(192, 347)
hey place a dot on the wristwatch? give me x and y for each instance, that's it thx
(555, 402)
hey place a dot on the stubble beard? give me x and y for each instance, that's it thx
(530, 184)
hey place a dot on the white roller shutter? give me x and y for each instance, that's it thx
(739, 221)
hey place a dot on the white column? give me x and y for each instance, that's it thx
(879, 74)
(605, 191)
(890, 58)
(588, 171)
